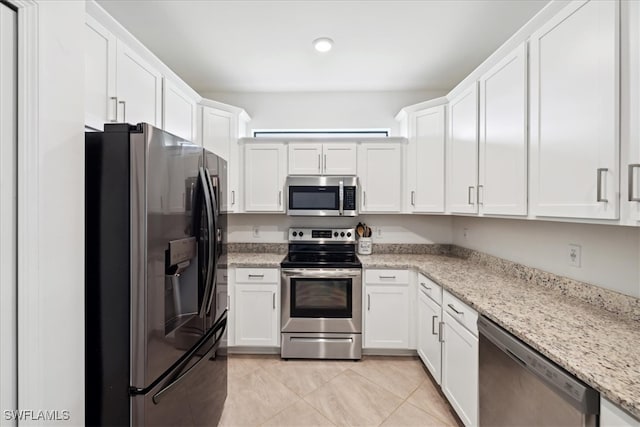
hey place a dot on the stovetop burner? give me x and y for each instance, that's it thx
(321, 248)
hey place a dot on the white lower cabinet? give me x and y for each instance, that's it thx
(613, 416)
(386, 309)
(429, 326)
(460, 359)
(256, 307)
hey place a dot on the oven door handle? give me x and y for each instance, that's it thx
(321, 273)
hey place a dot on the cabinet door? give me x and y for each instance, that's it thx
(463, 152)
(139, 88)
(265, 168)
(574, 113)
(460, 370)
(218, 129)
(426, 160)
(256, 315)
(386, 317)
(502, 187)
(380, 173)
(179, 112)
(613, 416)
(429, 346)
(100, 75)
(339, 159)
(305, 159)
(630, 92)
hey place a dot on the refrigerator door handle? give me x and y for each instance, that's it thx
(133, 391)
(222, 325)
(210, 294)
(206, 299)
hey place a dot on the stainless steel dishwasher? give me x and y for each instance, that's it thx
(520, 387)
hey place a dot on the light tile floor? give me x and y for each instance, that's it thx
(376, 391)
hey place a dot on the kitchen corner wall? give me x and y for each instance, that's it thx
(610, 254)
(324, 110)
(386, 228)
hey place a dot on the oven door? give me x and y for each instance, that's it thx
(322, 300)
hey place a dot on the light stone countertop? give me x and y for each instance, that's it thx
(597, 346)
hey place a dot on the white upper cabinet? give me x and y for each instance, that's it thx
(322, 159)
(178, 112)
(574, 94)
(139, 88)
(426, 159)
(380, 175)
(265, 171)
(630, 136)
(305, 159)
(462, 152)
(100, 75)
(217, 131)
(502, 187)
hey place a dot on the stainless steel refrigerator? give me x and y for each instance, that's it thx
(154, 239)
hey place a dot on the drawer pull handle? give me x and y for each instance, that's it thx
(454, 309)
(387, 277)
(256, 276)
(425, 286)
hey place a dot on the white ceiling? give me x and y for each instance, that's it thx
(265, 46)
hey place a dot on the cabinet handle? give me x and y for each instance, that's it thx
(386, 277)
(424, 285)
(480, 195)
(325, 164)
(364, 198)
(256, 276)
(274, 300)
(454, 309)
(233, 197)
(115, 104)
(441, 332)
(319, 164)
(124, 111)
(368, 302)
(413, 198)
(631, 183)
(433, 326)
(280, 198)
(599, 197)
(469, 192)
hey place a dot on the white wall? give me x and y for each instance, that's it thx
(324, 110)
(51, 217)
(386, 228)
(610, 254)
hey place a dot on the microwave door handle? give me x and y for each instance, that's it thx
(341, 197)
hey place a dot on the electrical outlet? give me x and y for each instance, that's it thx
(465, 233)
(256, 231)
(574, 255)
(379, 232)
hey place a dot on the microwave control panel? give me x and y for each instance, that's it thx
(349, 198)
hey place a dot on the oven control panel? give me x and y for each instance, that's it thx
(324, 235)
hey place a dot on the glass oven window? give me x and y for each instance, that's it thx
(314, 298)
(311, 197)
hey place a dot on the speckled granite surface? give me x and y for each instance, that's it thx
(266, 248)
(599, 347)
(400, 248)
(254, 259)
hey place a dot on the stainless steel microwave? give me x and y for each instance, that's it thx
(322, 195)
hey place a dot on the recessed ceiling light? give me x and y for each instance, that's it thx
(323, 44)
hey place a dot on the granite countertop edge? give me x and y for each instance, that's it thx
(458, 276)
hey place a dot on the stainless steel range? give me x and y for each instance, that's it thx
(321, 295)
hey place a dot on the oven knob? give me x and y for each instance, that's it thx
(295, 234)
(301, 234)
(342, 234)
(335, 234)
(349, 234)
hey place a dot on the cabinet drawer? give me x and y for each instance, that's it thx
(460, 311)
(257, 275)
(430, 288)
(386, 277)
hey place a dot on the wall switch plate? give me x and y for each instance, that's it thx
(256, 231)
(574, 255)
(465, 233)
